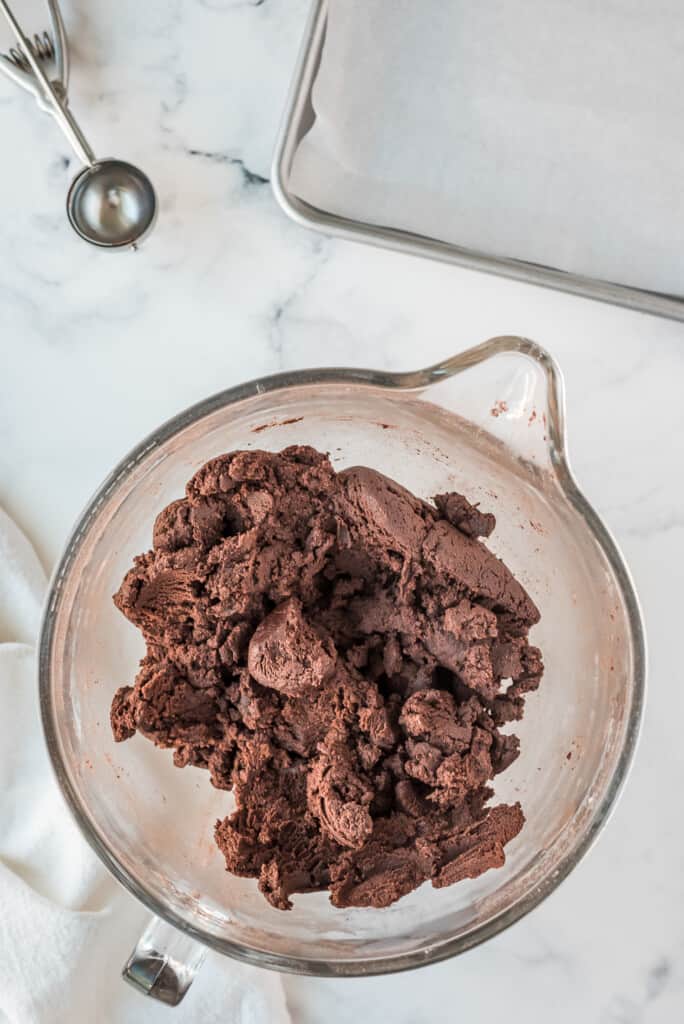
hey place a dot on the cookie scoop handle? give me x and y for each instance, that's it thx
(164, 963)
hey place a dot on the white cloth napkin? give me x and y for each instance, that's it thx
(66, 928)
(539, 129)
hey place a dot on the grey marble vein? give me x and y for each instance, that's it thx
(249, 177)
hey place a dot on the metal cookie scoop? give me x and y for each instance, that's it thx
(110, 203)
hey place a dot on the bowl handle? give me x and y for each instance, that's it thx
(163, 963)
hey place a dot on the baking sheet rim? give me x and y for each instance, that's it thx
(296, 121)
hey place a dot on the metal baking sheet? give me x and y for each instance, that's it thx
(298, 119)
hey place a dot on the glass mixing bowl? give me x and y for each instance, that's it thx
(489, 422)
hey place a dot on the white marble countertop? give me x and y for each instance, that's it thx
(97, 349)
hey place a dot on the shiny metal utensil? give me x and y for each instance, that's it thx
(52, 50)
(110, 203)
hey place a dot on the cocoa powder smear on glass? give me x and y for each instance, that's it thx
(341, 656)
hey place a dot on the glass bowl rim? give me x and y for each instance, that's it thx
(404, 381)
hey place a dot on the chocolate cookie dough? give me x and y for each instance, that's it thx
(333, 650)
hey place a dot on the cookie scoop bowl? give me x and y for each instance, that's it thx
(488, 423)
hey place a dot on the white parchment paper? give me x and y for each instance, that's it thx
(544, 130)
